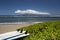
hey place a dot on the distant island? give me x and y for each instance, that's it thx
(29, 15)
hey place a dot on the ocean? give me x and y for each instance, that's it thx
(26, 19)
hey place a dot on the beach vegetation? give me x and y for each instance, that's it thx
(43, 31)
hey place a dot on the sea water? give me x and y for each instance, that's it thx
(26, 19)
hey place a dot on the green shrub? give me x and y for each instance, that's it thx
(43, 31)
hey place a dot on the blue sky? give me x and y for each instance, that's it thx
(8, 7)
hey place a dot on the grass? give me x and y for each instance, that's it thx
(43, 31)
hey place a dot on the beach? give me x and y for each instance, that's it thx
(11, 27)
(7, 27)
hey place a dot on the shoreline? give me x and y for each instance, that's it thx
(20, 22)
(7, 27)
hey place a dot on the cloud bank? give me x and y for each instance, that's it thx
(29, 11)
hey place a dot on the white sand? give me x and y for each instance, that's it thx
(4, 27)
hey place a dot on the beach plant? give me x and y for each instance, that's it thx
(43, 31)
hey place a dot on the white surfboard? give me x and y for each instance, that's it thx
(12, 35)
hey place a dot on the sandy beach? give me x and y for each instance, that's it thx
(12, 27)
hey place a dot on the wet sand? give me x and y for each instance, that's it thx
(11, 27)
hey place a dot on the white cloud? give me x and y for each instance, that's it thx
(29, 11)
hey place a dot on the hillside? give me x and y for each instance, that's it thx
(43, 31)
